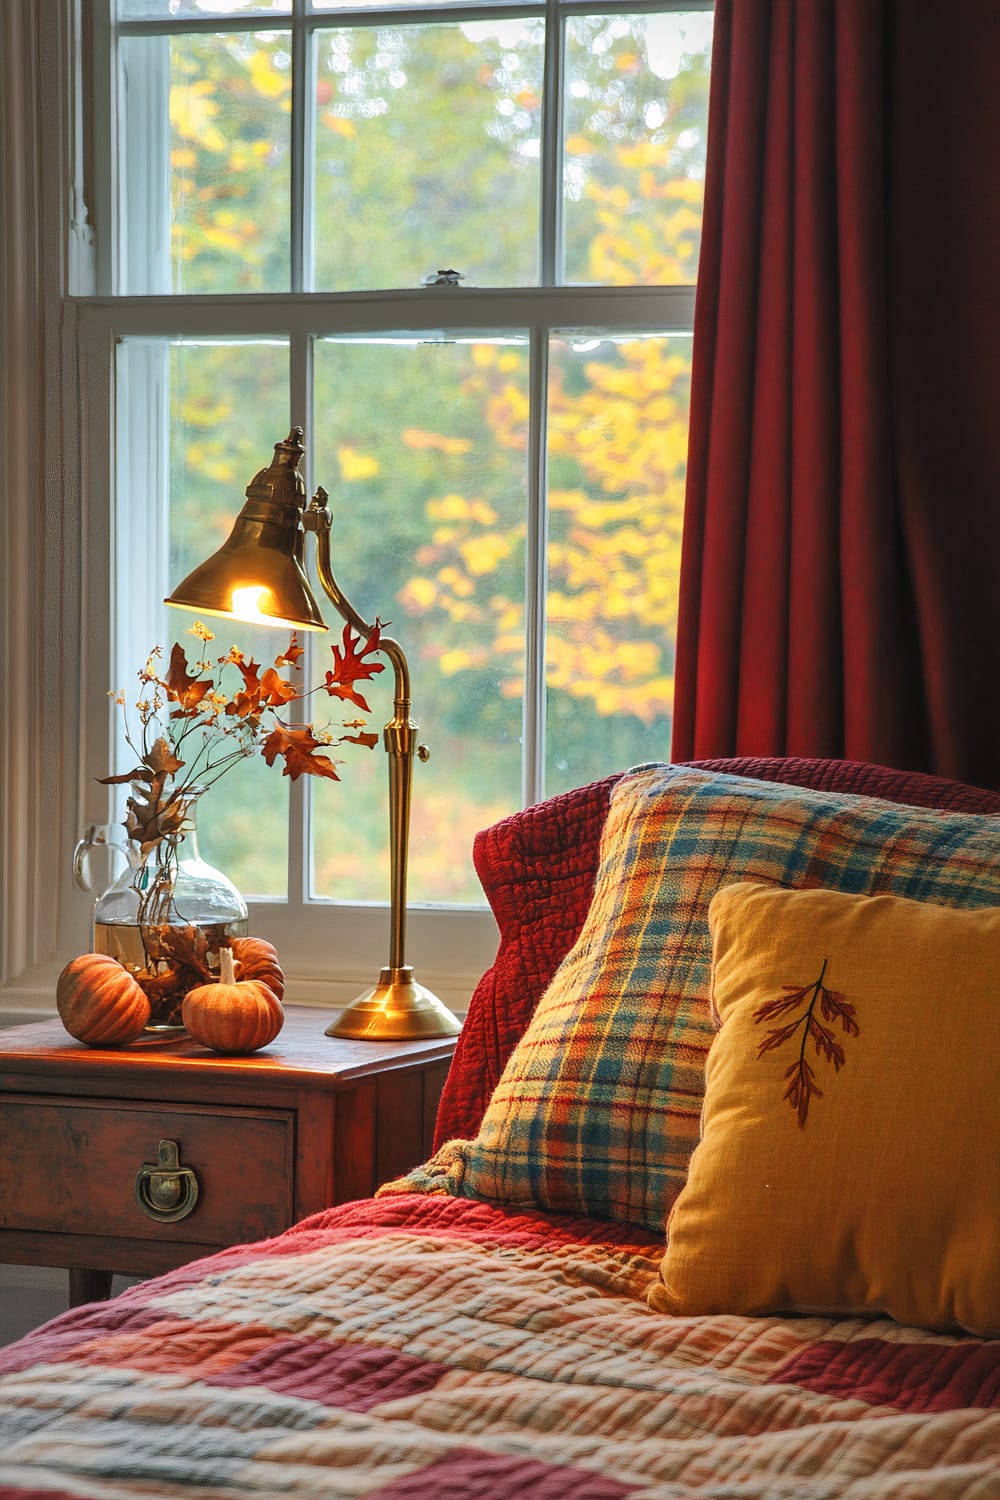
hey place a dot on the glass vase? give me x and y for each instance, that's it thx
(165, 916)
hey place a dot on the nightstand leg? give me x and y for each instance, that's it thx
(89, 1286)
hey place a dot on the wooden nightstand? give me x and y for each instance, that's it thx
(310, 1121)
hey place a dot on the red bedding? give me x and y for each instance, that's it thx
(417, 1346)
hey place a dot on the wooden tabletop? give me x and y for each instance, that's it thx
(300, 1048)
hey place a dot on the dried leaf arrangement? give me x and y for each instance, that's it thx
(196, 722)
(833, 1007)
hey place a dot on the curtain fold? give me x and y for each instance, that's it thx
(840, 580)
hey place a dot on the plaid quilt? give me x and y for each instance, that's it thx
(434, 1347)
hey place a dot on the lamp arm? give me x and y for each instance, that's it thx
(399, 736)
(317, 519)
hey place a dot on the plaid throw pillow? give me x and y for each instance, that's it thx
(598, 1108)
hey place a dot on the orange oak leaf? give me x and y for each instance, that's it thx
(275, 689)
(259, 692)
(298, 746)
(183, 689)
(247, 704)
(149, 819)
(369, 740)
(349, 666)
(250, 672)
(158, 763)
(290, 656)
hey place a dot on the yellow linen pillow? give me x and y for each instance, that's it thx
(849, 1159)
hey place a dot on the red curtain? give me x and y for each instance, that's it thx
(840, 581)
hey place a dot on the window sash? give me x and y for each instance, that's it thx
(349, 942)
(302, 24)
(338, 947)
(59, 612)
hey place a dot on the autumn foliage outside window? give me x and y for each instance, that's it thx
(429, 149)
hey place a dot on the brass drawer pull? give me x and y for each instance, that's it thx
(168, 1191)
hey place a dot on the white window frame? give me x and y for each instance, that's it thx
(330, 949)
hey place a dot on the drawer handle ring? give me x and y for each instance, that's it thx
(167, 1191)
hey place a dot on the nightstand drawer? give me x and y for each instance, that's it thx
(69, 1166)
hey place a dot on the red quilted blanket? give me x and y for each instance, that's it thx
(436, 1347)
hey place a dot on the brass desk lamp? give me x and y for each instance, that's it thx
(257, 575)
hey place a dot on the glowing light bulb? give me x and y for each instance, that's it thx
(245, 604)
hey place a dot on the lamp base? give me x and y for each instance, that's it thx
(397, 1009)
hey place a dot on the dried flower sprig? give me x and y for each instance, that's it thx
(197, 721)
(833, 1007)
(193, 720)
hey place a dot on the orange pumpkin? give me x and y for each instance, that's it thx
(99, 1001)
(256, 958)
(232, 1015)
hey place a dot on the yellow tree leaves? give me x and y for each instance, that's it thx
(267, 80)
(481, 554)
(355, 465)
(617, 437)
(193, 116)
(218, 163)
(414, 437)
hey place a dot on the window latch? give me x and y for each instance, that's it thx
(442, 278)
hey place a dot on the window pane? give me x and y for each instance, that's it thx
(635, 126)
(325, 5)
(427, 154)
(421, 446)
(227, 407)
(617, 425)
(181, 10)
(207, 166)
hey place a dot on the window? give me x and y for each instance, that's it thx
(504, 452)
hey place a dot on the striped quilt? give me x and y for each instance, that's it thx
(425, 1346)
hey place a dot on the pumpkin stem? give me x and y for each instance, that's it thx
(227, 971)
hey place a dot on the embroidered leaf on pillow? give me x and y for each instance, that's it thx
(833, 1006)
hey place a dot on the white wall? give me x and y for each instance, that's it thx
(43, 522)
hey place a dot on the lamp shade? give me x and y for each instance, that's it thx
(257, 573)
(252, 577)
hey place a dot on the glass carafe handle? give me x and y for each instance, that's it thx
(97, 836)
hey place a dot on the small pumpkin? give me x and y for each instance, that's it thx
(256, 958)
(232, 1015)
(100, 1002)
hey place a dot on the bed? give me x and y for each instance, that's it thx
(505, 1321)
